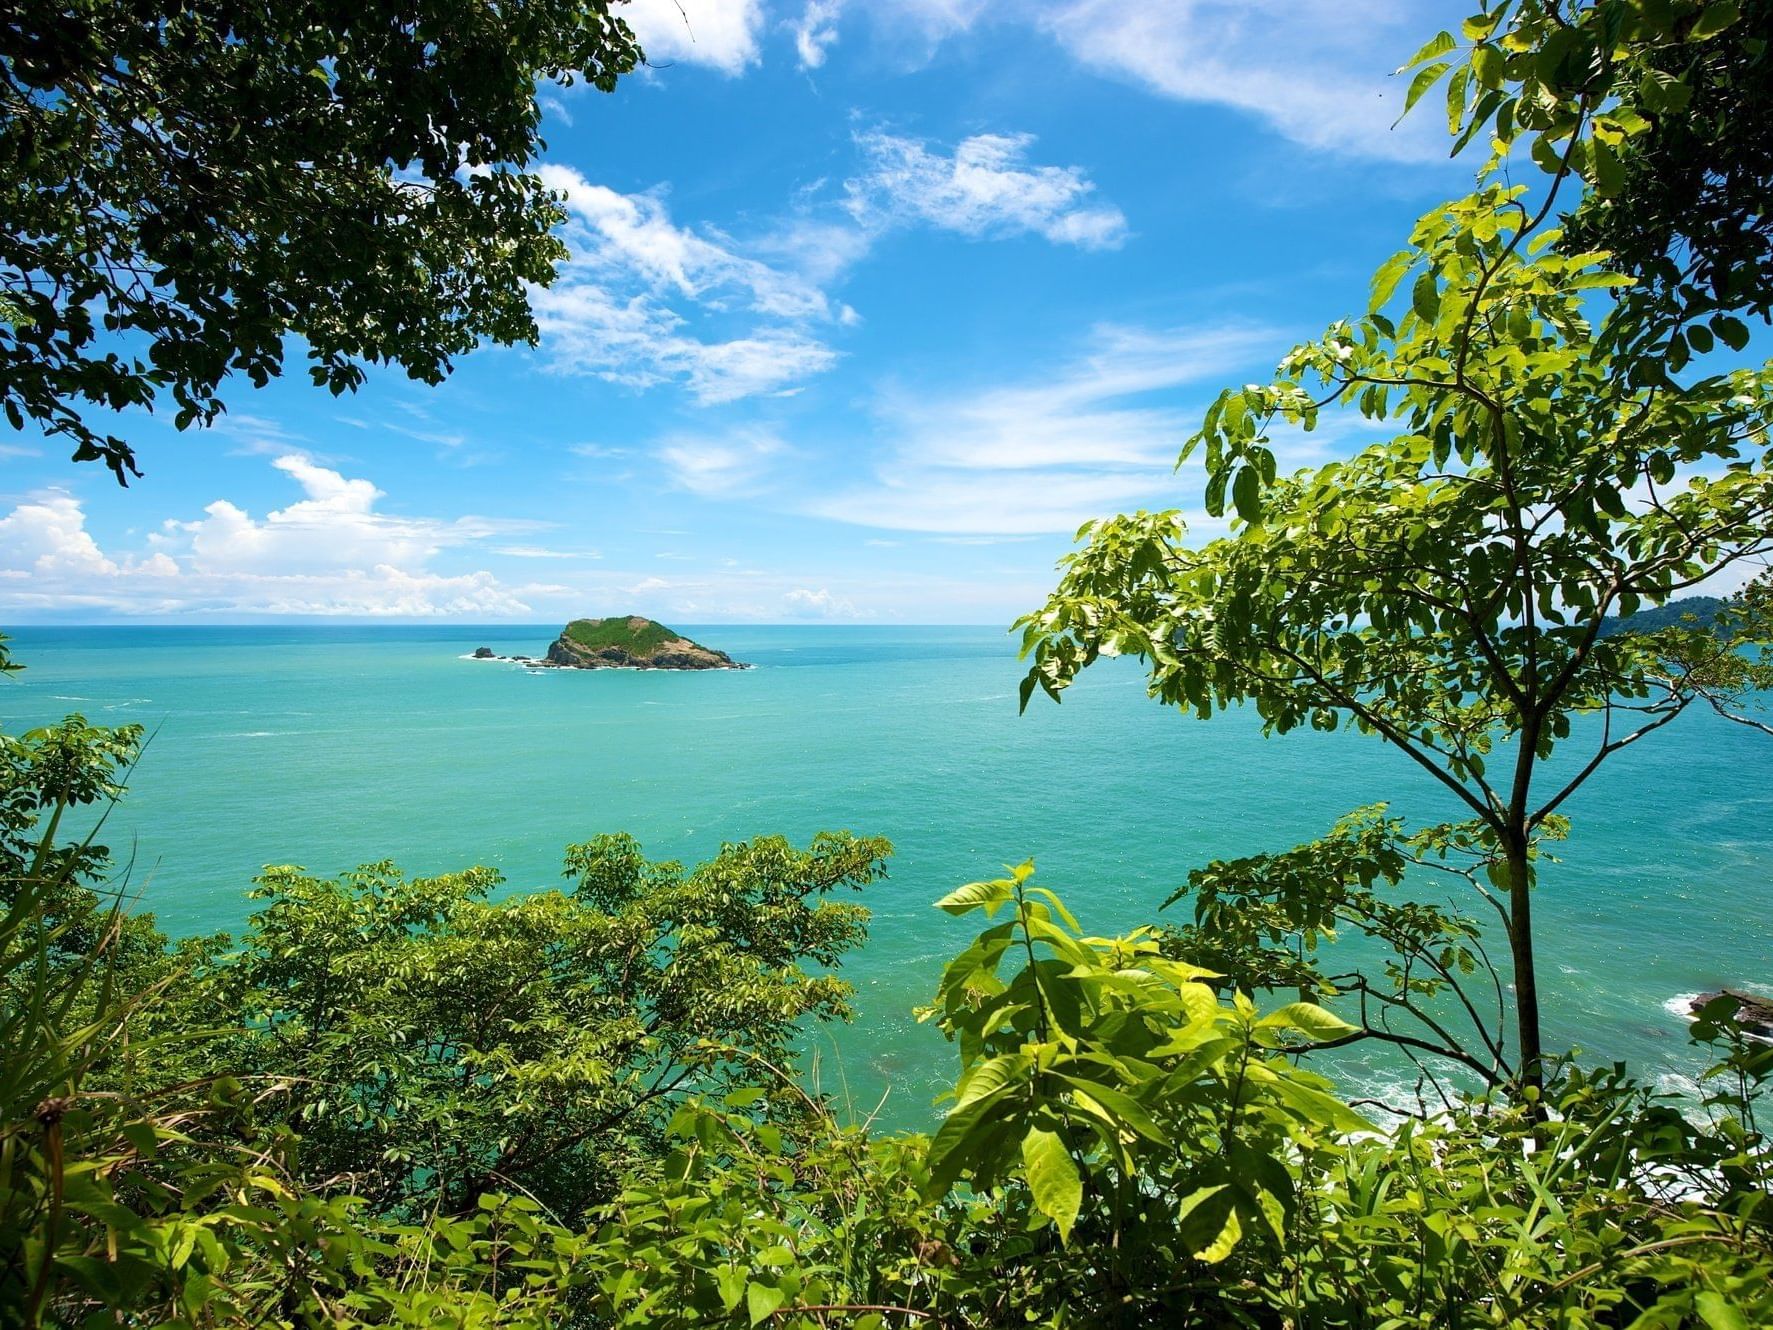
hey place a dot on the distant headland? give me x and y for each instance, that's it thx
(625, 642)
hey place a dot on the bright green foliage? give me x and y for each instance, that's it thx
(1446, 588)
(1204, 1178)
(187, 183)
(437, 1046)
(1261, 920)
(1146, 1118)
(1663, 109)
(1618, 1212)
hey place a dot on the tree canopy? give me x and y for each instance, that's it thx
(190, 184)
(1662, 108)
(1447, 588)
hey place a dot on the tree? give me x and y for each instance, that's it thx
(1447, 589)
(189, 183)
(1664, 108)
(439, 1046)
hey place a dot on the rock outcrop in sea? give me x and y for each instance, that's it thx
(1754, 1014)
(626, 642)
(634, 643)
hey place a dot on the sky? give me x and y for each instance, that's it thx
(870, 304)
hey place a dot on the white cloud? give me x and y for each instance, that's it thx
(985, 188)
(1318, 72)
(329, 552)
(46, 537)
(727, 466)
(1048, 454)
(1315, 70)
(721, 33)
(815, 31)
(542, 552)
(805, 603)
(643, 301)
(615, 311)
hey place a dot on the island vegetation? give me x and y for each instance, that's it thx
(622, 642)
(428, 1102)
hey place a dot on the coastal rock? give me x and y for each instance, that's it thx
(1754, 1014)
(483, 653)
(632, 642)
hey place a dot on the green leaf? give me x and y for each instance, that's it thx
(1385, 281)
(1426, 78)
(1487, 65)
(1714, 19)
(1215, 498)
(1308, 1018)
(1717, 1313)
(1208, 1223)
(1246, 494)
(730, 1280)
(1052, 1178)
(1126, 1111)
(1731, 330)
(1439, 44)
(1663, 93)
(1425, 298)
(1608, 171)
(988, 896)
(762, 1300)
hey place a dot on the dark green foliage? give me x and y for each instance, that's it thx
(634, 634)
(1663, 111)
(187, 183)
(312, 1128)
(436, 1045)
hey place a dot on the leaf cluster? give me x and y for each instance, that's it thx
(188, 184)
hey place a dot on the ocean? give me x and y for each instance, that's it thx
(331, 746)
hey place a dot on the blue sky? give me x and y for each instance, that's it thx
(870, 305)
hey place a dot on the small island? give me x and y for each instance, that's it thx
(625, 642)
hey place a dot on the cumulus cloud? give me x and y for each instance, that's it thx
(1099, 435)
(985, 187)
(721, 33)
(805, 603)
(329, 552)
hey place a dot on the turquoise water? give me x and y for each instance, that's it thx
(328, 747)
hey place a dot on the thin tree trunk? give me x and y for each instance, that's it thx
(1531, 1070)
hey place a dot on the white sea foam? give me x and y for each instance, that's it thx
(1681, 1004)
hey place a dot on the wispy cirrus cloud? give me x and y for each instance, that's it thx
(1098, 435)
(985, 187)
(645, 301)
(728, 465)
(623, 309)
(1316, 71)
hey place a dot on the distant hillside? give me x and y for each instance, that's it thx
(1673, 614)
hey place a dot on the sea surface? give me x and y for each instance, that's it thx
(333, 746)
